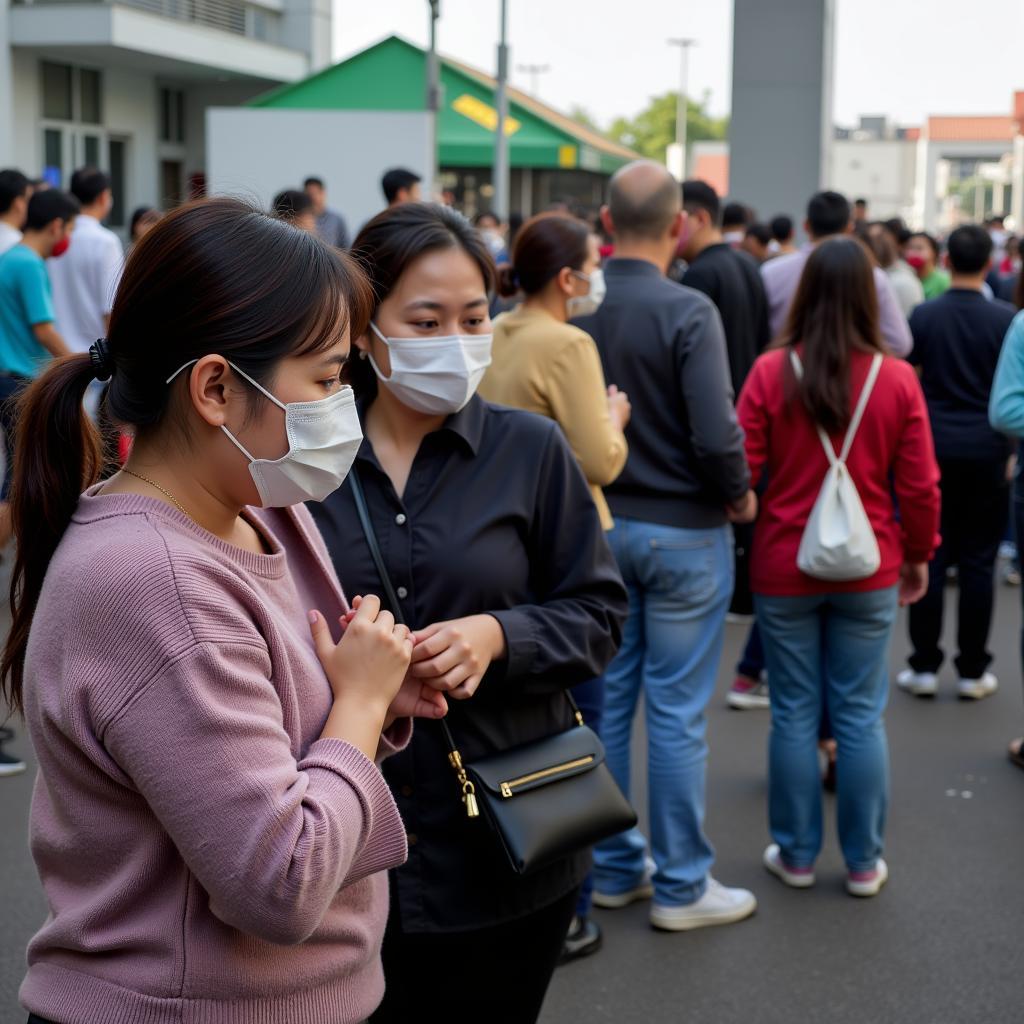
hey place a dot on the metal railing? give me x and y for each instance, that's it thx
(234, 16)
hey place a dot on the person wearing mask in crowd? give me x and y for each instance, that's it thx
(828, 215)
(85, 280)
(685, 478)
(400, 186)
(957, 341)
(296, 208)
(757, 242)
(15, 192)
(544, 365)
(1006, 414)
(731, 280)
(144, 218)
(860, 211)
(489, 226)
(905, 284)
(826, 641)
(495, 550)
(735, 218)
(921, 252)
(783, 235)
(208, 795)
(330, 225)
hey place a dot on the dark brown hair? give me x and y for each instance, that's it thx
(214, 276)
(835, 311)
(399, 236)
(544, 246)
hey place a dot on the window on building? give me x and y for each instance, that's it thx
(57, 91)
(90, 97)
(172, 115)
(118, 182)
(72, 94)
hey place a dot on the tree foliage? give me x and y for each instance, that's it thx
(652, 130)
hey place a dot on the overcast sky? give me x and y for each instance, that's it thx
(905, 58)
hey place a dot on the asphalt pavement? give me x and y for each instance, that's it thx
(940, 945)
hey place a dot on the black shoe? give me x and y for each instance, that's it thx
(8, 765)
(584, 938)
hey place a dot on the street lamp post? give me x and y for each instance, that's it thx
(501, 175)
(434, 95)
(681, 104)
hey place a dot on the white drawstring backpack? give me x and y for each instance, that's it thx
(838, 543)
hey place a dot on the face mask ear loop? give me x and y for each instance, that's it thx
(238, 444)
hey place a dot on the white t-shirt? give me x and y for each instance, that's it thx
(84, 281)
(9, 237)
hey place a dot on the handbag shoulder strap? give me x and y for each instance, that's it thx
(362, 510)
(858, 412)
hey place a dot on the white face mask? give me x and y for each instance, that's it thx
(323, 439)
(435, 375)
(584, 305)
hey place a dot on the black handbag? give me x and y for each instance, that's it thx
(543, 800)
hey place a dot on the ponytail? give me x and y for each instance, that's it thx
(57, 455)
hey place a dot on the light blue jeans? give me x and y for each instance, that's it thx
(679, 582)
(828, 650)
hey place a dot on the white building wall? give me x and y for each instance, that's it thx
(882, 171)
(254, 153)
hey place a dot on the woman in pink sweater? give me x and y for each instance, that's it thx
(209, 824)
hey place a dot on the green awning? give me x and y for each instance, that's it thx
(391, 76)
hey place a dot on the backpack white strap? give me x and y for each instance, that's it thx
(858, 413)
(862, 404)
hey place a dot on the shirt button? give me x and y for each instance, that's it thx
(406, 791)
(400, 519)
(402, 593)
(412, 838)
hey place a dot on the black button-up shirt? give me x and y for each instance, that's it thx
(496, 518)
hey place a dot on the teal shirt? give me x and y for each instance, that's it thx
(25, 300)
(1006, 402)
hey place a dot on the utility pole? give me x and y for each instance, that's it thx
(534, 71)
(681, 104)
(501, 174)
(434, 97)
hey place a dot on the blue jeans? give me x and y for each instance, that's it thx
(589, 697)
(679, 582)
(831, 651)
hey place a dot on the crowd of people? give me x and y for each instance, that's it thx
(298, 536)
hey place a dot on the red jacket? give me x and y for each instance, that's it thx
(893, 451)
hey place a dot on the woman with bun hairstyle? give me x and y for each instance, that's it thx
(495, 551)
(543, 364)
(208, 823)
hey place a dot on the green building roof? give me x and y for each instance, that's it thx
(391, 75)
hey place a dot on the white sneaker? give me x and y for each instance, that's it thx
(618, 900)
(796, 878)
(920, 684)
(977, 689)
(718, 905)
(868, 883)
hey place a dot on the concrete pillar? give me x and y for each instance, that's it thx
(781, 127)
(7, 155)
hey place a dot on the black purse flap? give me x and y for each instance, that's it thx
(533, 765)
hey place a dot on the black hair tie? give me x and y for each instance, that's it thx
(102, 364)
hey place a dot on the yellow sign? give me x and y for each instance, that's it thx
(483, 115)
(566, 156)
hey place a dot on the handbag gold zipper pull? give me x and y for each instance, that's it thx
(468, 789)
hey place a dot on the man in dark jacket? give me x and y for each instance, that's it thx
(685, 478)
(732, 281)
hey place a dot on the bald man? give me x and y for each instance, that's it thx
(685, 479)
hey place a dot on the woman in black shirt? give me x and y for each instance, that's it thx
(501, 568)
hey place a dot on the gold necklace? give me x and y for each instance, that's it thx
(163, 490)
